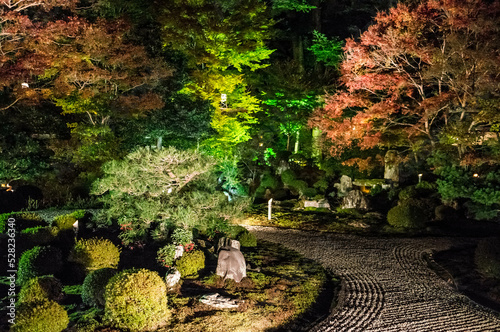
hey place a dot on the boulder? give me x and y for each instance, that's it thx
(392, 162)
(172, 278)
(227, 242)
(355, 200)
(231, 264)
(322, 203)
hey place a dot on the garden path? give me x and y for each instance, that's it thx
(386, 283)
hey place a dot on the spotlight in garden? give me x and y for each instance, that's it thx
(475, 175)
(420, 178)
(25, 85)
(75, 228)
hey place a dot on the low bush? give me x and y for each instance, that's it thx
(39, 235)
(44, 316)
(40, 289)
(136, 300)
(38, 261)
(191, 263)
(235, 230)
(247, 239)
(409, 192)
(166, 255)
(487, 257)
(4, 217)
(406, 216)
(94, 254)
(94, 286)
(182, 236)
(66, 221)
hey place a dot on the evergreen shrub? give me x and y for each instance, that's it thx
(94, 254)
(94, 286)
(487, 257)
(40, 289)
(66, 221)
(406, 216)
(39, 235)
(182, 236)
(44, 316)
(247, 239)
(191, 263)
(166, 255)
(38, 261)
(136, 300)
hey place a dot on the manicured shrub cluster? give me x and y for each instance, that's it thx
(295, 185)
(94, 286)
(487, 257)
(191, 263)
(41, 288)
(136, 300)
(38, 261)
(39, 235)
(44, 316)
(66, 221)
(95, 254)
(406, 216)
(4, 217)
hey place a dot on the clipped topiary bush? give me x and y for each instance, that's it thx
(38, 261)
(94, 286)
(190, 263)
(94, 254)
(247, 239)
(38, 235)
(65, 221)
(409, 192)
(487, 257)
(4, 217)
(136, 300)
(406, 216)
(41, 288)
(44, 316)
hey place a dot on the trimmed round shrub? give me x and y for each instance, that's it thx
(190, 263)
(406, 216)
(40, 289)
(44, 316)
(94, 286)
(235, 231)
(94, 254)
(409, 192)
(38, 261)
(247, 239)
(136, 300)
(66, 221)
(39, 235)
(487, 257)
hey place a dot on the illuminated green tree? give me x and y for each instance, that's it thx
(222, 42)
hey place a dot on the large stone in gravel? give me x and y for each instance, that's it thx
(355, 200)
(231, 264)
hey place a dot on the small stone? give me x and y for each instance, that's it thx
(179, 251)
(172, 278)
(218, 301)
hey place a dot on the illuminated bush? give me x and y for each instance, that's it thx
(95, 254)
(487, 257)
(66, 221)
(94, 286)
(44, 316)
(41, 288)
(190, 263)
(39, 261)
(406, 216)
(136, 300)
(38, 235)
(247, 239)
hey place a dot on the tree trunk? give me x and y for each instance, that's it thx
(297, 140)
(298, 51)
(159, 142)
(288, 142)
(317, 144)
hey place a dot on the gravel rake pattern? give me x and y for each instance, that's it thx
(386, 283)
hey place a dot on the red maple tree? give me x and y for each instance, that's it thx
(416, 75)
